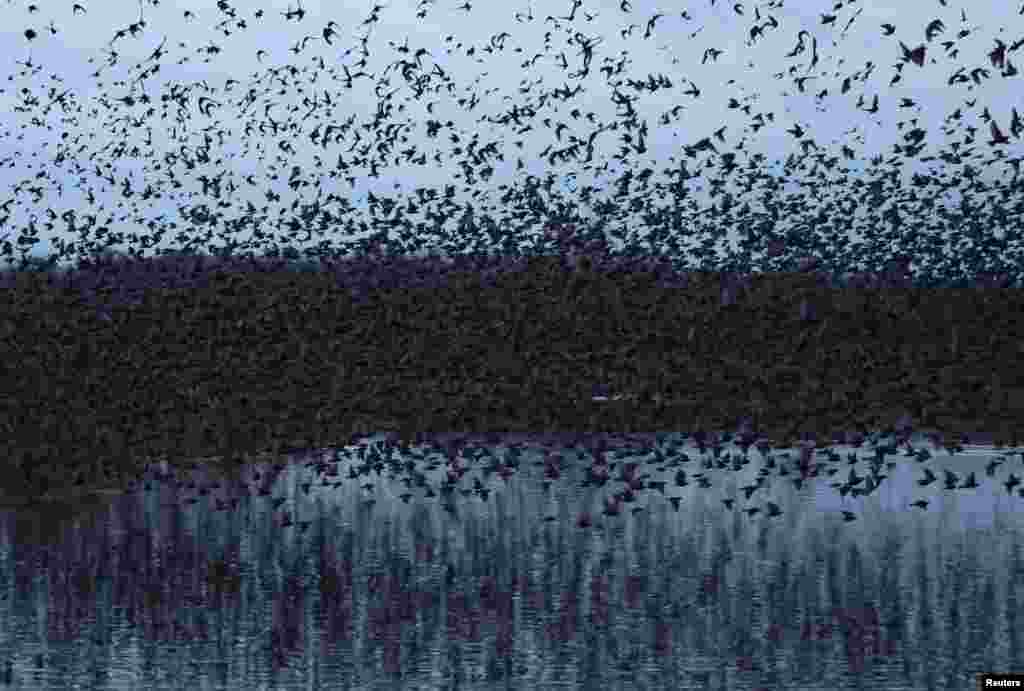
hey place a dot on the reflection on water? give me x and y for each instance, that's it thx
(559, 564)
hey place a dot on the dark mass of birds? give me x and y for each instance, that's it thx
(980, 253)
(906, 219)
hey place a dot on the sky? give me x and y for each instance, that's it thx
(676, 47)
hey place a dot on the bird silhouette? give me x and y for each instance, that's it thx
(1011, 482)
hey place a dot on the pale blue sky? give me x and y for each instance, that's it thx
(675, 48)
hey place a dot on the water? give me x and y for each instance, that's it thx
(367, 582)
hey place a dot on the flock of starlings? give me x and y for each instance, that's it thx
(73, 318)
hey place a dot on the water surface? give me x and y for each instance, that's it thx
(338, 569)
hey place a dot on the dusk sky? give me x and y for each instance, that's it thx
(675, 48)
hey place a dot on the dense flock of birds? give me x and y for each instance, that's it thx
(626, 477)
(910, 223)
